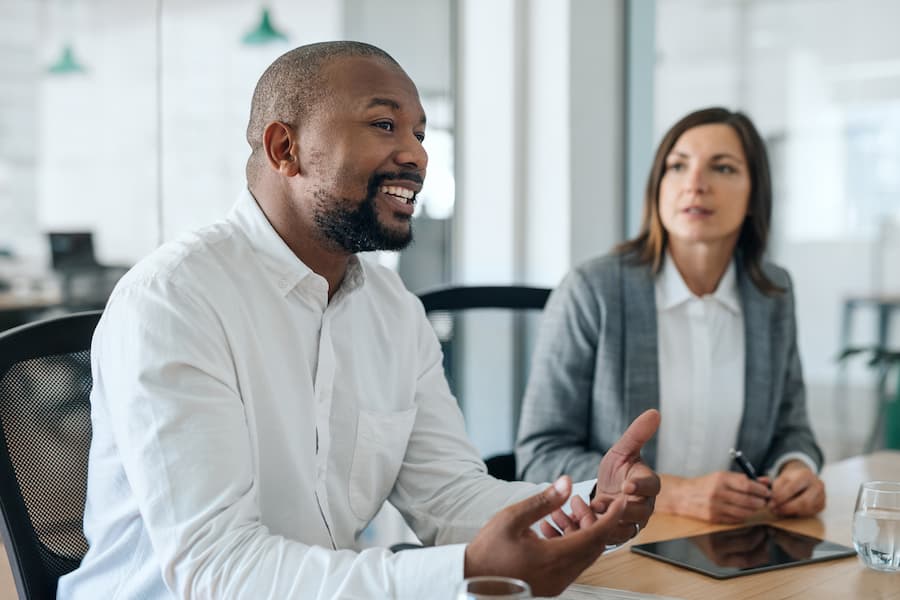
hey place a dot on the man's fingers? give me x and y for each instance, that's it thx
(582, 513)
(637, 434)
(523, 514)
(587, 520)
(638, 512)
(643, 482)
(579, 508)
(548, 530)
(590, 540)
(562, 520)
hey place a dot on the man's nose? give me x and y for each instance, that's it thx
(412, 155)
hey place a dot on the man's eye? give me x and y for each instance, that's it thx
(420, 137)
(386, 125)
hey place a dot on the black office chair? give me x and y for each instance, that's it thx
(45, 430)
(448, 300)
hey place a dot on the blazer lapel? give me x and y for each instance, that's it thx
(758, 375)
(641, 362)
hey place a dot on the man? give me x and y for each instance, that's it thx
(259, 391)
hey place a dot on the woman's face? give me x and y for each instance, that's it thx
(705, 189)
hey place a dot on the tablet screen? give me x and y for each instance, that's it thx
(742, 551)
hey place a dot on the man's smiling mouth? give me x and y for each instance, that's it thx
(401, 193)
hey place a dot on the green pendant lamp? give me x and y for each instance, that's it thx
(264, 33)
(66, 63)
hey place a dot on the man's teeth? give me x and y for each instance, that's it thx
(400, 192)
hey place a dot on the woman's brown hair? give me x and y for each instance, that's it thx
(649, 247)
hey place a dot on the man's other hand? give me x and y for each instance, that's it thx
(622, 474)
(507, 545)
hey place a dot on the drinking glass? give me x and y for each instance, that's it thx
(493, 588)
(876, 525)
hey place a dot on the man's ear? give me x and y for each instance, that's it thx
(280, 145)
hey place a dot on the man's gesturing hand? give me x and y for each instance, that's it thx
(622, 474)
(508, 546)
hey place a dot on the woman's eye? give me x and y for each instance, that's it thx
(675, 167)
(726, 169)
(386, 125)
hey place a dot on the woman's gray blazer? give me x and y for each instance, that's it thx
(595, 369)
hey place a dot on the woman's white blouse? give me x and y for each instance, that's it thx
(701, 373)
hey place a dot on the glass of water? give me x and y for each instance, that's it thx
(876, 525)
(493, 588)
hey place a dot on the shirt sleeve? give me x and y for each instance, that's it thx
(166, 382)
(776, 468)
(443, 489)
(793, 433)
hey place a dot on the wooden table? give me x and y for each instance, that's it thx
(843, 578)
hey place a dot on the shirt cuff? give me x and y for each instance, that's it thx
(583, 489)
(434, 572)
(773, 472)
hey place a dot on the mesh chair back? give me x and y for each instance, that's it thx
(45, 436)
(441, 303)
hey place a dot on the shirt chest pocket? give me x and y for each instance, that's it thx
(381, 440)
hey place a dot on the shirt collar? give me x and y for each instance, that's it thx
(671, 290)
(285, 267)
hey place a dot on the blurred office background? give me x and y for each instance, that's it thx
(122, 126)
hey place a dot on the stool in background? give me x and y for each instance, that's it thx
(887, 417)
(884, 305)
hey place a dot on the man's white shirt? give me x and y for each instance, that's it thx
(246, 430)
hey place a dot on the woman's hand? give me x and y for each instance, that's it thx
(797, 491)
(720, 497)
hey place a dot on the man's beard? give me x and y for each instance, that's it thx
(354, 226)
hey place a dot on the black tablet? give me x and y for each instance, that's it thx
(743, 551)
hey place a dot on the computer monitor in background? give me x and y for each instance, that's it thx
(72, 250)
(85, 283)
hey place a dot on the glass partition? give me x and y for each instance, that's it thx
(822, 82)
(125, 122)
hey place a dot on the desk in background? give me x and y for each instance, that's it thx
(18, 307)
(843, 578)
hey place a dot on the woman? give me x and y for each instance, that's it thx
(688, 318)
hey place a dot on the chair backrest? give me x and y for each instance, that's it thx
(45, 436)
(461, 298)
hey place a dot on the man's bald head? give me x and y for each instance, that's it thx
(292, 88)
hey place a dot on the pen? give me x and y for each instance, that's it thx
(743, 463)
